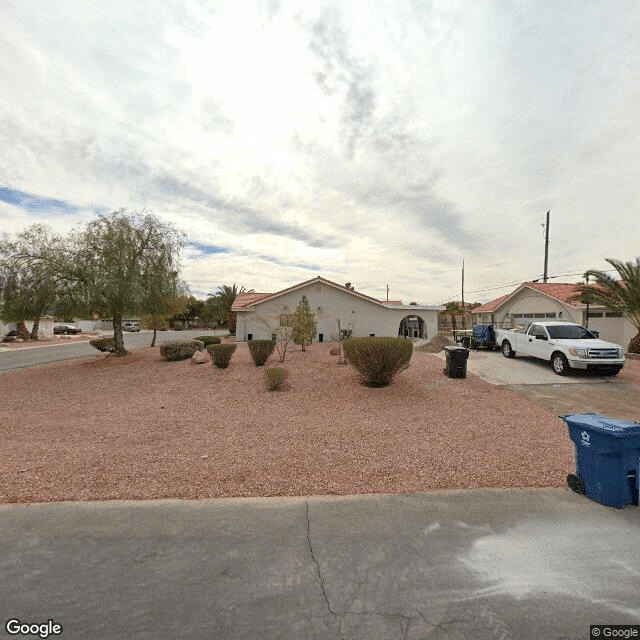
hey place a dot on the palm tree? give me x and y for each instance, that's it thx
(222, 300)
(453, 309)
(618, 294)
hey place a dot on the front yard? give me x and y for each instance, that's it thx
(138, 428)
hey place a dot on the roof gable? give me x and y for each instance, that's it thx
(246, 300)
(561, 291)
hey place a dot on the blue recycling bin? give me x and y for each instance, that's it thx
(607, 458)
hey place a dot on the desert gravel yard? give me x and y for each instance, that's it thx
(136, 427)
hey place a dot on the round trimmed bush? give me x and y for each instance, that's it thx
(221, 354)
(179, 349)
(378, 359)
(103, 344)
(261, 350)
(275, 377)
(207, 340)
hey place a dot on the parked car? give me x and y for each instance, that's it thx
(565, 345)
(11, 336)
(131, 326)
(66, 329)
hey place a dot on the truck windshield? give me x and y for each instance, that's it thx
(570, 332)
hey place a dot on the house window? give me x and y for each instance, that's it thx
(249, 336)
(320, 337)
(372, 335)
(596, 315)
(613, 314)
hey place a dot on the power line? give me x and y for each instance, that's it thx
(518, 282)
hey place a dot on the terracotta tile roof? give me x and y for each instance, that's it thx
(247, 298)
(562, 291)
(491, 306)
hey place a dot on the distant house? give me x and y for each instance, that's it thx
(45, 327)
(358, 313)
(553, 301)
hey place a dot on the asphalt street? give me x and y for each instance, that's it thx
(32, 355)
(487, 564)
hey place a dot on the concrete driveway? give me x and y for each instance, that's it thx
(493, 367)
(450, 565)
(578, 392)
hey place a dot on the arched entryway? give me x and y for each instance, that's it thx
(412, 327)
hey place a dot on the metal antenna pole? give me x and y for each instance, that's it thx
(546, 249)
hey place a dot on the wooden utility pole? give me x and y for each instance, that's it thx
(546, 249)
(463, 293)
(387, 293)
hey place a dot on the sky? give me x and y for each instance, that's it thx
(371, 142)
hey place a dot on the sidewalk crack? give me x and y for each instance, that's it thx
(324, 593)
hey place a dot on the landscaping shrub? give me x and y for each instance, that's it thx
(261, 350)
(179, 349)
(275, 377)
(378, 359)
(207, 340)
(103, 344)
(221, 354)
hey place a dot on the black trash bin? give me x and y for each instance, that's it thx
(607, 458)
(456, 361)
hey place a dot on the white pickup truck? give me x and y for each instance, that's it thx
(565, 345)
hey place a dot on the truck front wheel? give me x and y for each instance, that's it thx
(560, 364)
(507, 351)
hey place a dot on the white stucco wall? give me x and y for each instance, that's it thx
(45, 327)
(328, 304)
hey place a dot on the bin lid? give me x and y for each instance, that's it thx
(596, 422)
(455, 347)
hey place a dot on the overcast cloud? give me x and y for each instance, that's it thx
(364, 141)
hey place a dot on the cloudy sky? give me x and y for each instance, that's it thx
(365, 141)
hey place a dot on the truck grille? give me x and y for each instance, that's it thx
(597, 354)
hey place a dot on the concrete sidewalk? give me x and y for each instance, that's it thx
(511, 564)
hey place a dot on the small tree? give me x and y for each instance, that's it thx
(163, 309)
(280, 330)
(29, 286)
(303, 324)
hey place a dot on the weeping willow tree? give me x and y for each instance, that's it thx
(122, 264)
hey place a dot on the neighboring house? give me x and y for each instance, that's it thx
(553, 301)
(45, 328)
(330, 302)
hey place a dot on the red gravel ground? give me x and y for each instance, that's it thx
(136, 427)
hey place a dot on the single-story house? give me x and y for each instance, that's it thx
(554, 301)
(258, 314)
(45, 327)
